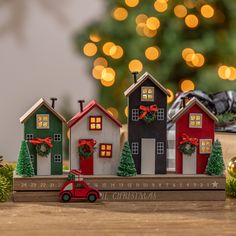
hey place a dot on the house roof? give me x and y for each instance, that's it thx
(88, 108)
(190, 104)
(41, 102)
(143, 78)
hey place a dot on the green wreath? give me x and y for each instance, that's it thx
(187, 148)
(150, 117)
(84, 151)
(43, 149)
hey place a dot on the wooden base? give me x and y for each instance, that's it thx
(171, 187)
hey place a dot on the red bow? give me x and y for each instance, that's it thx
(187, 139)
(37, 141)
(146, 110)
(90, 142)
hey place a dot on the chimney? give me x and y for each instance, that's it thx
(53, 102)
(135, 73)
(81, 104)
(183, 102)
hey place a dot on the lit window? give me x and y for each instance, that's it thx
(95, 123)
(42, 121)
(147, 94)
(195, 120)
(57, 138)
(135, 114)
(161, 114)
(29, 137)
(57, 158)
(205, 146)
(135, 148)
(160, 148)
(105, 150)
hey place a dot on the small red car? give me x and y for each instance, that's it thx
(78, 190)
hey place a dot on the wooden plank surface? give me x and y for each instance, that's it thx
(52, 196)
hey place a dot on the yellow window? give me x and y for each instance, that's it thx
(147, 93)
(205, 146)
(105, 150)
(42, 121)
(95, 122)
(195, 120)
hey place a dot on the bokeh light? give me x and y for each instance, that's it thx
(207, 11)
(187, 51)
(97, 71)
(113, 111)
(120, 14)
(191, 21)
(152, 53)
(131, 3)
(171, 97)
(227, 72)
(107, 83)
(160, 5)
(187, 85)
(95, 38)
(135, 65)
(108, 74)
(100, 61)
(180, 11)
(107, 47)
(126, 111)
(141, 18)
(90, 49)
(116, 52)
(153, 23)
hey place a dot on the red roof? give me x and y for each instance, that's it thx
(88, 108)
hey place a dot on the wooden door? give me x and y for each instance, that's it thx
(189, 164)
(44, 165)
(148, 150)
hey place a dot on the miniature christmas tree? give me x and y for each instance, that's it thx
(215, 165)
(126, 166)
(24, 166)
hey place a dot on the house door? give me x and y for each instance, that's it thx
(44, 165)
(189, 164)
(148, 150)
(86, 163)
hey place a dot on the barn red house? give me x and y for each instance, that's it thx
(195, 120)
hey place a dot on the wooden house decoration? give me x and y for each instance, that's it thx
(94, 140)
(147, 124)
(43, 130)
(193, 123)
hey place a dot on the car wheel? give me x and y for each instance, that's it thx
(92, 197)
(66, 197)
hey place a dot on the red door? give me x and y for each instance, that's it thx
(86, 163)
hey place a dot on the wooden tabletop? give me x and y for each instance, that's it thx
(116, 218)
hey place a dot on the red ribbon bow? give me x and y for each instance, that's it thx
(37, 141)
(90, 142)
(187, 139)
(146, 110)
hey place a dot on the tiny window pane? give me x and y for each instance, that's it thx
(147, 94)
(29, 137)
(160, 148)
(105, 150)
(205, 146)
(161, 114)
(135, 148)
(95, 123)
(57, 138)
(42, 121)
(195, 120)
(135, 114)
(57, 158)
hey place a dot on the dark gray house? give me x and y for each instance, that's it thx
(147, 120)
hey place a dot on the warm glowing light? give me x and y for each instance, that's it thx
(116, 52)
(106, 83)
(201, 60)
(180, 11)
(135, 65)
(100, 61)
(131, 3)
(149, 33)
(140, 29)
(120, 14)
(153, 23)
(107, 47)
(141, 18)
(187, 85)
(190, 3)
(191, 21)
(226, 72)
(207, 11)
(171, 97)
(126, 111)
(187, 51)
(108, 74)
(160, 5)
(113, 111)
(95, 38)
(152, 53)
(90, 49)
(97, 71)
(232, 73)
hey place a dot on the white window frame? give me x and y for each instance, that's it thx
(161, 114)
(57, 139)
(142, 93)
(195, 114)
(29, 137)
(37, 121)
(135, 148)
(160, 148)
(200, 145)
(57, 158)
(135, 114)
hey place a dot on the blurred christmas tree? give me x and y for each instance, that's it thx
(186, 45)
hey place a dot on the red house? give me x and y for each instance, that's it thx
(194, 123)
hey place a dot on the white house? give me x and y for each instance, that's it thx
(93, 127)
